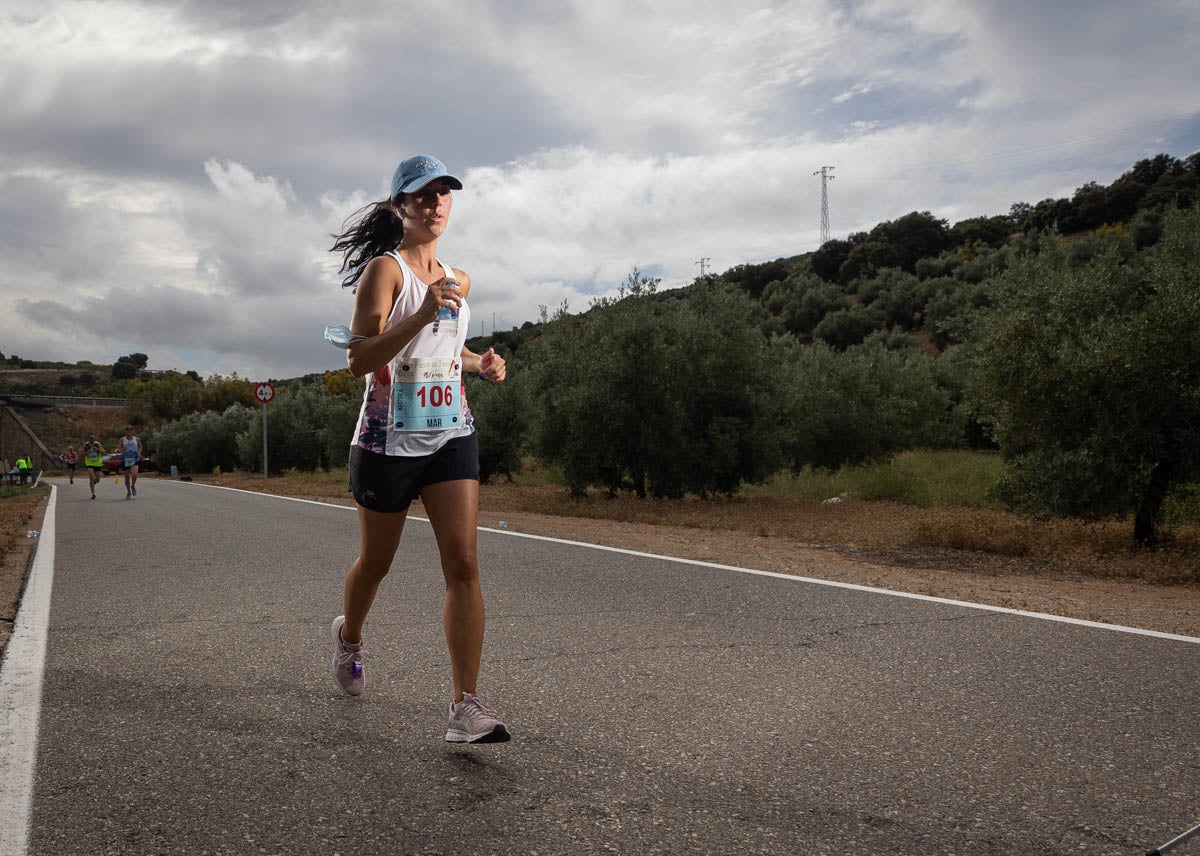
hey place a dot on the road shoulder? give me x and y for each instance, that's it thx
(1163, 608)
(14, 571)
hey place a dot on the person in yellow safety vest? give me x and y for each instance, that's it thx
(23, 467)
(93, 461)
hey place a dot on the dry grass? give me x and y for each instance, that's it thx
(17, 505)
(967, 538)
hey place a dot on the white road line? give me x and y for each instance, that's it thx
(1099, 625)
(21, 694)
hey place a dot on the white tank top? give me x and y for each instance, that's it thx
(417, 402)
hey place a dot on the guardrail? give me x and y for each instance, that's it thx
(20, 399)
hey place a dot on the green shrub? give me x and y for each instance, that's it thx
(499, 415)
(864, 404)
(201, 442)
(306, 430)
(1182, 506)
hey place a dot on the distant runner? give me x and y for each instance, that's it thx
(72, 458)
(130, 448)
(93, 461)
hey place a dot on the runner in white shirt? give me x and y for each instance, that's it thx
(130, 448)
(415, 436)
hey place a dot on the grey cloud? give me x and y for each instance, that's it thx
(320, 123)
(31, 212)
(52, 315)
(53, 244)
(236, 14)
(1077, 32)
(257, 332)
(238, 269)
(155, 317)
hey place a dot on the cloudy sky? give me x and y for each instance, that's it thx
(170, 172)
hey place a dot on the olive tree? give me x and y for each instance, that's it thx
(661, 396)
(863, 404)
(1089, 373)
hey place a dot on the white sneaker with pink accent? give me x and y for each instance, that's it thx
(471, 721)
(347, 666)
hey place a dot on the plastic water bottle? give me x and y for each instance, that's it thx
(446, 322)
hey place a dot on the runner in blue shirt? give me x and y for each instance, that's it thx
(130, 448)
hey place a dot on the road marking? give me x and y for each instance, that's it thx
(856, 587)
(21, 694)
(1099, 625)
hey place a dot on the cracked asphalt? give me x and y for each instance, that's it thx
(656, 707)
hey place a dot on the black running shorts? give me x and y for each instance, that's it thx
(389, 483)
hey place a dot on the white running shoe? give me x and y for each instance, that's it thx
(347, 666)
(471, 721)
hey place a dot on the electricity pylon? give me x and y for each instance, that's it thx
(826, 177)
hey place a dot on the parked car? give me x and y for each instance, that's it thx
(112, 463)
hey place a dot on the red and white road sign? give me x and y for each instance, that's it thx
(264, 392)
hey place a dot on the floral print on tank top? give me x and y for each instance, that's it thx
(373, 430)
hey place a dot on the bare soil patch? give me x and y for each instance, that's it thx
(60, 427)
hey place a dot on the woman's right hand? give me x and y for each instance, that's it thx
(444, 292)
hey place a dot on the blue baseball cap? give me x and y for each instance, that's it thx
(417, 171)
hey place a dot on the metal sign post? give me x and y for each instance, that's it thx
(264, 392)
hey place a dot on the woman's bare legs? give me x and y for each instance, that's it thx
(379, 536)
(453, 509)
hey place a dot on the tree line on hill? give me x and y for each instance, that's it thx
(904, 341)
(90, 379)
(1066, 334)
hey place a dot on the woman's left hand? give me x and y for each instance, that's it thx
(491, 366)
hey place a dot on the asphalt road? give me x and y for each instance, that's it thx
(657, 707)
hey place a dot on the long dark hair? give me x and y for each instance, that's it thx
(370, 231)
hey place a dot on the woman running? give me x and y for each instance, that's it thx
(415, 435)
(72, 459)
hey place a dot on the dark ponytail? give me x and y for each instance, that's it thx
(370, 231)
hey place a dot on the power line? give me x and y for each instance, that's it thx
(825, 179)
(704, 266)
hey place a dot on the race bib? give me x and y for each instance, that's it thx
(131, 460)
(425, 394)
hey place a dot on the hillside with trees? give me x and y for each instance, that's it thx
(1064, 334)
(893, 339)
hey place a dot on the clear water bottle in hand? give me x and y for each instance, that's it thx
(446, 321)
